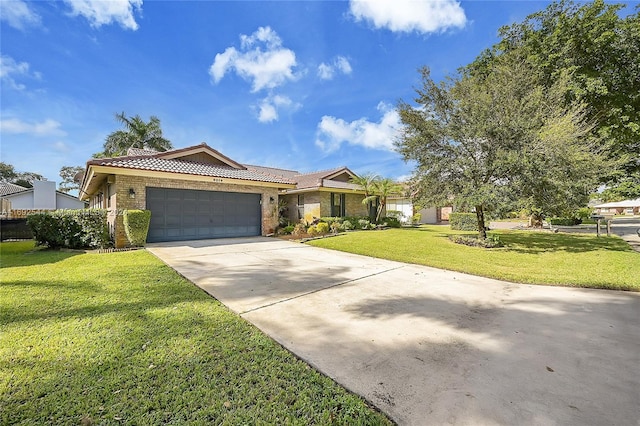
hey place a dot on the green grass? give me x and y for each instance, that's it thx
(120, 338)
(578, 260)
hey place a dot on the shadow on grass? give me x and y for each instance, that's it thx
(22, 253)
(532, 242)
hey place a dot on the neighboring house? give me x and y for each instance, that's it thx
(428, 215)
(197, 193)
(630, 207)
(43, 196)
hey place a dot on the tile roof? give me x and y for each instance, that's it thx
(11, 188)
(144, 159)
(152, 163)
(308, 180)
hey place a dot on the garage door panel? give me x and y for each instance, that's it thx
(192, 214)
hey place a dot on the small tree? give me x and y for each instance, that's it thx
(377, 189)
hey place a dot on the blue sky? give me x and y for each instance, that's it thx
(307, 85)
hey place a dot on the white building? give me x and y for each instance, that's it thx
(43, 196)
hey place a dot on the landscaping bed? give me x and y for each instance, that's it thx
(120, 338)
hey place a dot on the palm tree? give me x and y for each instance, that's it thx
(366, 183)
(384, 188)
(377, 189)
(137, 134)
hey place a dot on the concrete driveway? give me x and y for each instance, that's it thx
(429, 346)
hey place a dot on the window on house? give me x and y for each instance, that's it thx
(301, 206)
(109, 195)
(373, 209)
(337, 205)
(97, 200)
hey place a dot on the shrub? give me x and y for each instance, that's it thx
(392, 222)
(331, 220)
(564, 221)
(463, 221)
(322, 228)
(312, 230)
(335, 227)
(363, 224)
(492, 241)
(95, 231)
(355, 219)
(287, 229)
(415, 219)
(347, 225)
(299, 229)
(394, 214)
(136, 226)
(584, 213)
(84, 228)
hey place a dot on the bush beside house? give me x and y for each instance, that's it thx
(85, 228)
(136, 226)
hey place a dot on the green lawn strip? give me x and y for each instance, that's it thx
(121, 338)
(579, 260)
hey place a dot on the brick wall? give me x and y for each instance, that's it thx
(139, 184)
(354, 206)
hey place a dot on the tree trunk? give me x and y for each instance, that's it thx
(482, 231)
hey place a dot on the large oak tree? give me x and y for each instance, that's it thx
(498, 139)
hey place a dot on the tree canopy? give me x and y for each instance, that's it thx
(600, 52)
(69, 176)
(136, 134)
(497, 139)
(9, 174)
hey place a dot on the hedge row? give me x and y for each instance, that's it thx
(565, 221)
(84, 228)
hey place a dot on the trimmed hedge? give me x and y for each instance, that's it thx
(463, 221)
(390, 221)
(565, 221)
(136, 226)
(84, 228)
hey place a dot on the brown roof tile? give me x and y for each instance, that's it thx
(187, 167)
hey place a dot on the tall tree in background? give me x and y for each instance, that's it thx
(600, 52)
(25, 179)
(69, 175)
(136, 134)
(496, 139)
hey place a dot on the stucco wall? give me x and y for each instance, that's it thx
(122, 201)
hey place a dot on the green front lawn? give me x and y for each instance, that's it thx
(121, 338)
(578, 260)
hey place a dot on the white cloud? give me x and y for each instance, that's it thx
(271, 105)
(10, 70)
(425, 16)
(339, 64)
(261, 60)
(332, 132)
(18, 14)
(48, 127)
(105, 12)
(61, 146)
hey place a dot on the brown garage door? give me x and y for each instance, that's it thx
(185, 214)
